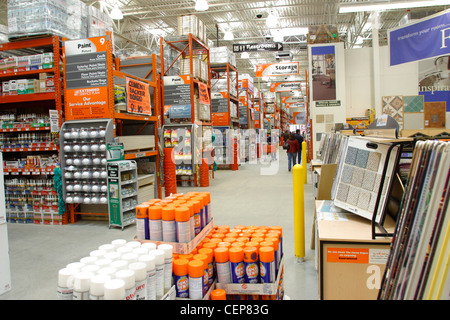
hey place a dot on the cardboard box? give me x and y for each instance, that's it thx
(186, 248)
(5, 87)
(270, 289)
(22, 86)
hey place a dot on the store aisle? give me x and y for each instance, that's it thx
(244, 197)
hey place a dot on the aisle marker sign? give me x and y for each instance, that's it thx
(86, 78)
(257, 47)
(138, 97)
(278, 69)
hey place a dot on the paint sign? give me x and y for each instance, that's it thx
(278, 69)
(86, 78)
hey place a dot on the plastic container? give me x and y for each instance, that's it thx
(169, 230)
(182, 218)
(181, 277)
(236, 256)
(155, 223)
(223, 267)
(196, 269)
(142, 228)
(251, 265)
(267, 265)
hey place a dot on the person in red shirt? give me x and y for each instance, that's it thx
(294, 146)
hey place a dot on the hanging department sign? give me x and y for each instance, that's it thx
(430, 37)
(257, 47)
(138, 97)
(285, 86)
(86, 78)
(278, 69)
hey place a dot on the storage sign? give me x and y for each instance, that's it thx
(257, 47)
(138, 97)
(428, 38)
(278, 69)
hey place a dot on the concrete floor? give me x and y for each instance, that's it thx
(243, 197)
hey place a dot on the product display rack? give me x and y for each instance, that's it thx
(122, 192)
(188, 47)
(32, 132)
(130, 125)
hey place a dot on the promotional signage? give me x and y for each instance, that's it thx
(278, 69)
(219, 108)
(177, 97)
(86, 80)
(430, 37)
(138, 97)
(292, 99)
(203, 93)
(257, 47)
(285, 86)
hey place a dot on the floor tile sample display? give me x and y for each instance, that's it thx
(393, 106)
(359, 177)
(413, 104)
(435, 114)
(413, 121)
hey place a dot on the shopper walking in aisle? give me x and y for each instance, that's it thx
(299, 138)
(292, 151)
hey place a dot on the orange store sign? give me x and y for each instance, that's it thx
(348, 255)
(138, 97)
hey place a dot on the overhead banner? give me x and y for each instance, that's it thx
(428, 38)
(285, 86)
(86, 80)
(278, 69)
(138, 97)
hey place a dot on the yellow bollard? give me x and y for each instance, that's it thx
(299, 211)
(304, 161)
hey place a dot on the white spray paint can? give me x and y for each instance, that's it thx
(159, 267)
(97, 289)
(140, 272)
(149, 261)
(128, 276)
(168, 250)
(64, 290)
(114, 289)
(81, 285)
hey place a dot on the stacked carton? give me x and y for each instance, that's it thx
(222, 55)
(192, 24)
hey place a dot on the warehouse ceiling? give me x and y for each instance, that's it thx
(145, 21)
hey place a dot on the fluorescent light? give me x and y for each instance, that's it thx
(228, 36)
(245, 55)
(201, 5)
(390, 5)
(116, 13)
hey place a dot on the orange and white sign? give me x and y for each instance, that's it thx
(278, 69)
(285, 86)
(348, 255)
(203, 93)
(138, 97)
(87, 103)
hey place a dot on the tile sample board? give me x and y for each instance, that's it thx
(359, 177)
(413, 103)
(393, 106)
(435, 114)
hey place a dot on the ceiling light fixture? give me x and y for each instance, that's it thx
(382, 6)
(245, 55)
(228, 36)
(201, 5)
(116, 13)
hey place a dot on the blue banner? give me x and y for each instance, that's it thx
(422, 40)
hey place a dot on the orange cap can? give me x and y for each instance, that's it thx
(180, 267)
(208, 252)
(236, 254)
(168, 213)
(154, 212)
(266, 254)
(196, 268)
(221, 254)
(218, 294)
(142, 211)
(182, 214)
(250, 254)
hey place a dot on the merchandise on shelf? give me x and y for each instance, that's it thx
(191, 24)
(222, 55)
(72, 19)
